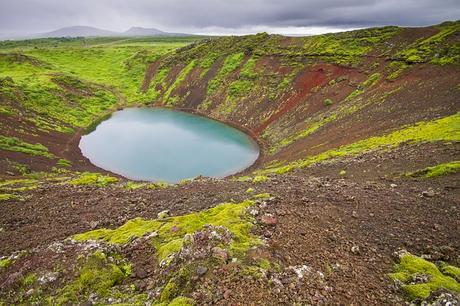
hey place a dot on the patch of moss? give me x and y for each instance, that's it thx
(231, 63)
(182, 301)
(250, 190)
(17, 145)
(394, 70)
(179, 79)
(371, 81)
(411, 266)
(262, 196)
(97, 275)
(64, 163)
(438, 170)
(451, 271)
(171, 231)
(130, 185)
(5, 263)
(437, 49)
(8, 196)
(97, 179)
(260, 179)
(444, 129)
(327, 102)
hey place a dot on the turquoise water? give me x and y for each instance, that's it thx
(155, 144)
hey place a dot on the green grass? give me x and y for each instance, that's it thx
(96, 275)
(96, 179)
(436, 49)
(438, 170)
(171, 231)
(411, 266)
(17, 145)
(231, 63)
(179, 79)
(444, 129)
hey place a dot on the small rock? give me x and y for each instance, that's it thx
(355, 249)
(254, 212)
(354, 214)
(269, 219)
(428, 193)
(201, 270)
(188, 239)
(393, 185)
(141, 273)
(93, 224)
(219, 253)
(163, 214)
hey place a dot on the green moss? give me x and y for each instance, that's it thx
(171, 231)
(130, 185)
(240, 88)
(8, 196)
(342, 172)
(440, 48)
(231, 63)
(395, 68)
(29, 280)
(179, 79)
(264, 264)
(5, 263)
(371, 81)
(182, 301)
(260, 179)
(96, 275)
(438, 170)
(411, 266)
(444, 129)
(250, 190)
(89, 178)
(327, 102)
(64, 163)
(262, 196)
(451, 271)
(17, 145)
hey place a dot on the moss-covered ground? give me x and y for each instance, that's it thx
(420, 278)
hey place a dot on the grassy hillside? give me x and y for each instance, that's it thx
(360, 134)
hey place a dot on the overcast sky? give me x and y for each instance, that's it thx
(222, 16)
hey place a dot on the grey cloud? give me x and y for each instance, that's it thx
(20, 16)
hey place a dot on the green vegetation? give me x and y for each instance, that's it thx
(444, 129)
(170, 232)
(412, 267)
(97, 179)
(438, 170)
(371, 81)
(5, 263)
(395, 69)
(231, 63)
(436, 49)
(328, 102)
(96, 275)
(346, 108)
(179, 79)
(17, 145)
(64, 163)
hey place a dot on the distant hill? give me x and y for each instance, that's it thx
(77, 31)
(86, 31)
(138, 31)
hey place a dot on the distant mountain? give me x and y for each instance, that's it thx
(77, 31)
(85, 31)
(138, 31)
